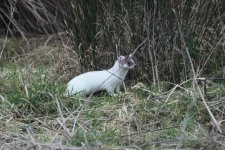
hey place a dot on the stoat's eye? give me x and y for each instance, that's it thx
(129, 63)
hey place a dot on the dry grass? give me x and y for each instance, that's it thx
(113, 28)
(35, 114)
(101, 30)
(147, 122)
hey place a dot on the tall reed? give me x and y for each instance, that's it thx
(101, 30)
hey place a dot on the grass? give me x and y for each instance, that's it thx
(35, 113)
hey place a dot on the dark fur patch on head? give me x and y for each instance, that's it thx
(127, 60)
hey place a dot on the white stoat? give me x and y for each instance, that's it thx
(109, 80)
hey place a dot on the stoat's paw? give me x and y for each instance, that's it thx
(112, 94)
(119, 93)
(115, 95)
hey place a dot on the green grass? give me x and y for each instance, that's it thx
(34, 104)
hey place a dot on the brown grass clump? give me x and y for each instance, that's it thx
(124, 25)
(101, 30)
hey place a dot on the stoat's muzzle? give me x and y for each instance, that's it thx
(131, 63)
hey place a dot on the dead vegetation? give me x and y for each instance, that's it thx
(35, 114)
(184, 41)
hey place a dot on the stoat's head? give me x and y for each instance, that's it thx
(126, 62)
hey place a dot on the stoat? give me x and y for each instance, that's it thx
(109, 80)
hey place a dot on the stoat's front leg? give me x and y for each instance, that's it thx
(117, 90)
(110, 91)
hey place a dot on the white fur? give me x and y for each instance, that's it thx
(109, 80)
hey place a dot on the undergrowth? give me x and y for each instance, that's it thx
(35, 112)
(183, 41)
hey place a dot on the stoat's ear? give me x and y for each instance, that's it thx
(131, 55)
